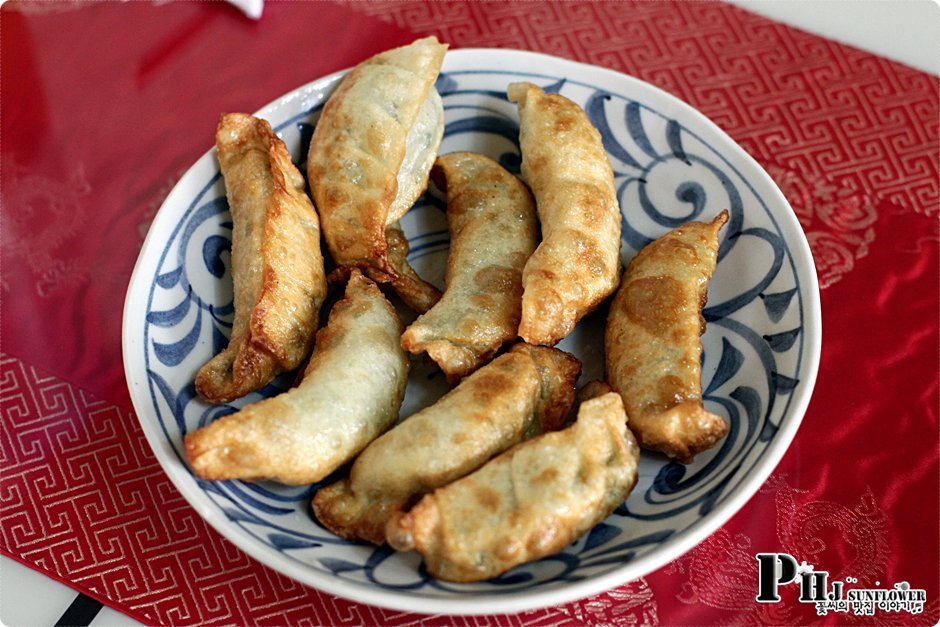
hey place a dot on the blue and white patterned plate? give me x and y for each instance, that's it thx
(671, 165)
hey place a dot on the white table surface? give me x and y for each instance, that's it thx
(907, 31)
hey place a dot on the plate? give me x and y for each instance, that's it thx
(671, 165)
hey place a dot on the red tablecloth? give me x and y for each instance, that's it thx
(106, 104)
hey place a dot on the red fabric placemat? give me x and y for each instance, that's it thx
(105, 105)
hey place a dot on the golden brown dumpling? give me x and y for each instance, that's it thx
(518, 395)
(369, 158)
(491, 217)
(577, 265)
(351, 392)
(653, 341)
(531, 501)
(277, 267)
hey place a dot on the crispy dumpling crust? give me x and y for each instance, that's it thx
(493, 231)
(357, 151)
(577, 265)
(307, 432)
(653, 344)
(277, 266)
(414, 291)
(529, 502)
(516, 396)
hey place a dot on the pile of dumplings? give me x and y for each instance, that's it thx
(501, 470)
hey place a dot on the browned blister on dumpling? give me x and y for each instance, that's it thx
(653, 341)
(350, 393)
(370, 155)
(577, 265)
(530, 502)
(277, 266)
(492, 223)
(516, 396)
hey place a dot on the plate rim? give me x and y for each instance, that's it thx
(475, 604)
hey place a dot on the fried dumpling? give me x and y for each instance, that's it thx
(277, 266)
(520, 394)
(530, 502)
(370, 155)
(350, 393)
(577, 265)
(491, 217)
(653, 341)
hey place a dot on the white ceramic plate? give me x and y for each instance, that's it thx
(671, 165)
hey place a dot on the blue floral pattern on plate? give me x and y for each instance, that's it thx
(670, 166)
